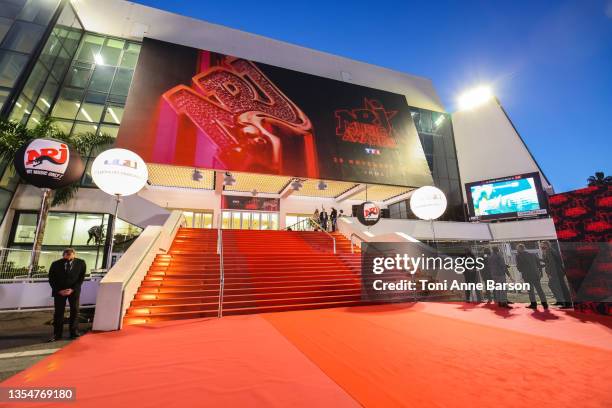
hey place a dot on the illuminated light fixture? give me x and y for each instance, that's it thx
(228, 179)
(296, 184)
(368, 233)
(43, 100)
(112, 112)
(18, 104)
(84, 112)
(322, 185)
(475, 97)
(439, 121)
(36, 120)
(196, 175)
(27, 111)
(98, 58)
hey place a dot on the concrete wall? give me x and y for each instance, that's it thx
(130, 20)
(489, 147)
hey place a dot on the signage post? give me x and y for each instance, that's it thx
(118, 172)
(48, 164)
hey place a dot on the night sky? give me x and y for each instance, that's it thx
(549, 61)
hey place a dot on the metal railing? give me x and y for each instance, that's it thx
(315, 227)
(221, 267)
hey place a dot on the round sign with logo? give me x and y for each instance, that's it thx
(119, 172)
(48, 163)
(369, 213)
(428, 203)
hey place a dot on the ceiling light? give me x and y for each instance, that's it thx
(296, 184)
(322, 185)
(439, 121)
(475, 97)
(98, 59)
(228, 179)
(197, 175)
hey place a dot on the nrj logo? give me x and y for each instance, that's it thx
(46, 157)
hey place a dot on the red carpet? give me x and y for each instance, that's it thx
(427, 355)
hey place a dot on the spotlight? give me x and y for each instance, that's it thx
(475, 97)
(296, 184)
(322, 185)
(228, 179)
(197, 175)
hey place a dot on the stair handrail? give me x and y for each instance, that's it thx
(306, 220)
(221, 267)
(354, 234)
(311, 220)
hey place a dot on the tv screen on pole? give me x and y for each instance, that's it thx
(519, 196)
(193, 107)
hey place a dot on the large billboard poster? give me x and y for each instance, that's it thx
(198, 108)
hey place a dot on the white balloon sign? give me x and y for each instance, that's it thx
(119, 172)
(428, 202)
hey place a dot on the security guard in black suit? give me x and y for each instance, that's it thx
(66, 276)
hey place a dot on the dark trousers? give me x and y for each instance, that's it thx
(567, 298)
(59, 302)
(535, 284)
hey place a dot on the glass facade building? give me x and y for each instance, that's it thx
(50, 66)
(436, 134)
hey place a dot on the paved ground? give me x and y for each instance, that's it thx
(24, 339)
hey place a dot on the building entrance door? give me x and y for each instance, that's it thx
(254, 220)
(198, 219)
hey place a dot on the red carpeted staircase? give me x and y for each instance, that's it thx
(265, 271)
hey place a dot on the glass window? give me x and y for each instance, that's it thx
(23, 37)
(52, 47)
(90, 112)
(122, 82)
(255, 221)
(111, 51)
(110, 130)
(26, 228)
(90, 49)
(78, 75)
(64, 126)
(114, 114)
(21, 110)
(130, 55)
(225, 219)
(11, 65)
(72, 41)
(61, 65)
(102, 78)
(68, 103)
(92, 259)
(35, 81)
(89, 230)
(11, 8)
(39, 12)
(5, 24)
(5, 202)
(59, 229)
(47, 95)
(274, 221)
(124, 231)
(4, 93)
(82, 128)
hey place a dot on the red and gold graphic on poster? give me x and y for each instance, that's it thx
(198, 108)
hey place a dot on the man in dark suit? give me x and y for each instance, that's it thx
(529, 267)
(66, 276)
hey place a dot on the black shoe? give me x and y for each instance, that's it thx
(558, 304)
(75, 335)
(510, 303)
(533, 306)
(545, 306)
(566, 306)
(53, 339)
(505, 306)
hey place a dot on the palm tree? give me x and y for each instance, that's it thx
(13, 135)
(599, 179)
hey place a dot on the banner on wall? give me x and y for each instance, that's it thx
(198, 108)
(250, 203)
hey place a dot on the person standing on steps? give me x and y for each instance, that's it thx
(333, 217)
(66, 275)
(315, 220)
(323, 218)
(529, 267)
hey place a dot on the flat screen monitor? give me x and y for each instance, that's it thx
(513, 197)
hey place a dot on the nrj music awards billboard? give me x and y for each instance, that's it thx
(198, 108)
